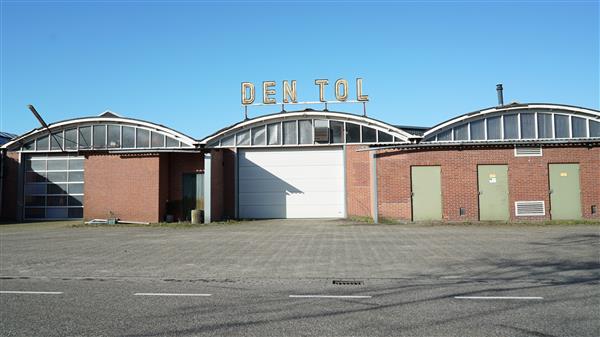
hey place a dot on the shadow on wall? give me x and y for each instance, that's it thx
(262, 194)
(10, 171)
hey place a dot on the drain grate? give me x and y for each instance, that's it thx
(348, 283)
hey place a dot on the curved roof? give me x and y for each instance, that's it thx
(104, 118)
(307, 114)
(589, 113)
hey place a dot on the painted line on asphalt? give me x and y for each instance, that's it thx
(329, 296)
(498, 297)
(31, 292)
(170, 294)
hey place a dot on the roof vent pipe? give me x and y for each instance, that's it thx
(500, 95)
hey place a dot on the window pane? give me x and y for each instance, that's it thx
(273, 134)
(128, 137)
(158, 140)
(493, 128)
(172, 142)
(35, 213)
(527, 126)
(57, 213)
(352, 133)
(85, 137)
(71, 139)
(290, 135)
(42, 143)
(76, 200)
(461, 132)
(511, 130)
(594, 128)
(57, 200)
(57, 177)
(75, 188)
(561, 126)
(336, 132)
(306, 131)
(35, 177)
(36, 165)
(578, 127)
(243, 137)
(75, 213)
(384, 137)
(227, 141)
(35, 189)
(142, 138)
(35, 200)
(56, 141)
(477, 130)
(114, 136)
(29, 146)
(99, 136)
(57, 164)
(368, 135)
(76, 176)
(75, 164)
(544, 125)
(445, 135)
(56, 188)
(321, 131)
(258, 135)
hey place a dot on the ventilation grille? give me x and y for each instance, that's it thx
(348, 282)
(530, 208)
(528, 151)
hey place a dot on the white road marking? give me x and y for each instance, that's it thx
(499, 297)
(329, 296)
(31, 292)
(170, 294)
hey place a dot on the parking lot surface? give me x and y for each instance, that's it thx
(275, 278)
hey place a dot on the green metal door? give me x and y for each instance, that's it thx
(565, 195)
(426, 193)
(192, 194)
(493, 192)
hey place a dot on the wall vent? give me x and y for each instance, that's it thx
(530, 208)
(528, 151)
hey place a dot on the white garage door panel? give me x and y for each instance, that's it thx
(291, 183)
(266, 198)
(291, 172)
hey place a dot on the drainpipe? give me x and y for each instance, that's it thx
(374, 201)
(207, 186)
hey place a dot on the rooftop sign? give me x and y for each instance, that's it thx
(289, 94)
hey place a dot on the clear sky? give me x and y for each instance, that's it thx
(181, 63)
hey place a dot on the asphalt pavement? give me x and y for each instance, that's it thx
(276, 278)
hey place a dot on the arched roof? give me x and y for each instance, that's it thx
(448, 128)
(106, 118)
(309, 114)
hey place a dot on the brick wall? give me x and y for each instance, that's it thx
(358, 182)
(127, 185)
(217, 185)
(528, 178)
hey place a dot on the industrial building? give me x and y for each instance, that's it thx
(505, 163)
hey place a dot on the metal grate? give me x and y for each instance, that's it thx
(528, 151)
(530, 208)
(348, 283)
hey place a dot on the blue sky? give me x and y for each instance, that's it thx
(181, 63)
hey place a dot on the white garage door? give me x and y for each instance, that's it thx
(291, 183)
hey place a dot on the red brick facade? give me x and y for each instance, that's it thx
(528, 179)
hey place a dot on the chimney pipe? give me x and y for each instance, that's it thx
(500, 95)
